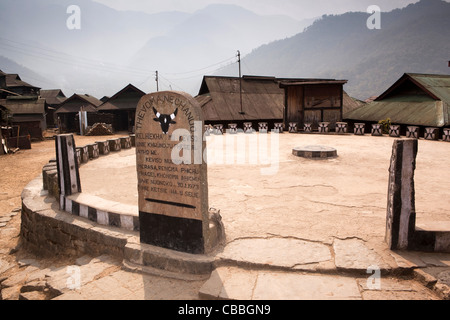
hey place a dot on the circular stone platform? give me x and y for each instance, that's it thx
(315, 152)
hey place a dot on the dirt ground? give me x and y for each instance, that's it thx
(315, 200)
(16, 171)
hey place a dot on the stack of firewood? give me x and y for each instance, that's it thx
(100, 129)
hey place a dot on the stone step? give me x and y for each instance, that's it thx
(150, 259)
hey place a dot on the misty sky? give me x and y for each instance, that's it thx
(299, 9)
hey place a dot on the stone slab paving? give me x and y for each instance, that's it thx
(231, 283)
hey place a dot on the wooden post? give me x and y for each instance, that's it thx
(2, 150)
(68, 171)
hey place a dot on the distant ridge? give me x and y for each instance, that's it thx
(413, 39)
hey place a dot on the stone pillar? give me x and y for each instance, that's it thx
(173, 203)
(401, 212)
(68, 171)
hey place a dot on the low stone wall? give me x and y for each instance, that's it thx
(48, 231)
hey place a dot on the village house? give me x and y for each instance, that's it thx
(53, 99)
(22, 108)
(123, 106)
(421, 100)
(67, 112)
(273, 100)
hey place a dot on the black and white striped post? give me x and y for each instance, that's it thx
(68, 170)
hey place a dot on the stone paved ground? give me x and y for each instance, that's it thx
(311, 237)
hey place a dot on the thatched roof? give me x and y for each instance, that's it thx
(53, 97)
(125, 99)
(79, 102)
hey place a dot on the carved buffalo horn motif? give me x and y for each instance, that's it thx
(165, 120)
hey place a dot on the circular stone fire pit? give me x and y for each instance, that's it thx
(315, 152)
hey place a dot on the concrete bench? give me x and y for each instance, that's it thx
(93, 151)
(232, 128)
(207, 130)
(360, 129)
(431, 133)
(133, 140)
(341, 127)
(324, 127)
(84, 154)
(278, 128)
(377, 131)
(114, 145)
(293, 127)
(394, 131)
(248, 127)
(125, 143)
(446, 136)
(412, 132)
(263, 127)
(103, 147)
(307, 127)
(218, 129)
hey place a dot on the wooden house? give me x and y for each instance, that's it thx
(313, 101)
(12, 85)
(26, 113)
(123, 106)
(272, 100)
(421, 100)
(220, 99)
(53, 99)
(69, 109)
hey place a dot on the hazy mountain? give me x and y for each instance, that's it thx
(27, 75)
(91, 60)
(212, 34)
(412, 39)
(114, 48)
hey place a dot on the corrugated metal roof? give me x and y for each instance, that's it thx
(428, 113)
(438, 85)
(432, 108)
(262, 99)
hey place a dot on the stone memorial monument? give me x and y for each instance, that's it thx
(172, 176)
